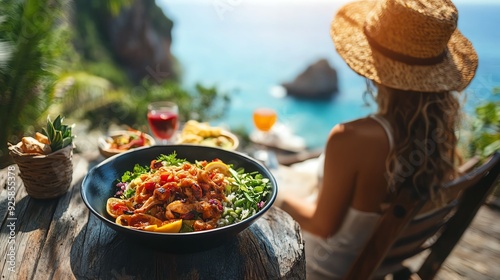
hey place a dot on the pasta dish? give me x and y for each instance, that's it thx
(174, 195)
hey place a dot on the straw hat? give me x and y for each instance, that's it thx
(405, 44)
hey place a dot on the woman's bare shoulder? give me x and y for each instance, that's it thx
(359, 130)
(348, 141)
(359, 139)
(360, 148)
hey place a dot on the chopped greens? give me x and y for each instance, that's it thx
(128, 193)
(128, 176)
(171, 159)
(246, 195)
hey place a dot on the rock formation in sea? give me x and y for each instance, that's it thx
(317, 81)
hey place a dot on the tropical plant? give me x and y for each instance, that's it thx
(485, 138)
(32, 35)
(59, 134)
(46, 68)
(128, 106)
(484, 134)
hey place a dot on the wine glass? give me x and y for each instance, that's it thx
(163, 119)
(264, 120)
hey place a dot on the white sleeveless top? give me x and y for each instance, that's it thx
(331, 258)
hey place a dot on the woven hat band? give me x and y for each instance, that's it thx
(407, 59)
(412, 28)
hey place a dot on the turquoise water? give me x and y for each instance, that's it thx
(248, 48)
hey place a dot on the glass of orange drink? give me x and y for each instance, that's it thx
(264, 119)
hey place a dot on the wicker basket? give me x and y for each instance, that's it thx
(46, 176)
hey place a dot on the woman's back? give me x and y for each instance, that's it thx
(417, 60)
(369, 143)
(370, 150)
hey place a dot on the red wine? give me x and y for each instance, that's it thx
(163, 124)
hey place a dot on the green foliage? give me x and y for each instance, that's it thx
(33, 35)
(83, 92)
(128, 106)
(171, 159)
(201, 103)
(129, 176)
(49, 65)
(59, 134)
(91, 41)
(486, 129)
(113, 7)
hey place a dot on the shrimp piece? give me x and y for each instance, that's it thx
(191, 189)
(180, 208)
(182, 174)
(203, 177)
(205, 182)
(219, 183)
(193, 171)
(155, 164)
(187, 166)
(186, 182)
(201, 225)
(141, 194)
(150, 202)
(218, 178)
(211, 209)
(193, 193)
(161, 194)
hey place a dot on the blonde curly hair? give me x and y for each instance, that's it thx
(424, 127)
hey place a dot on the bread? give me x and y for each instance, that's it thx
(30, 145)
(42, 138)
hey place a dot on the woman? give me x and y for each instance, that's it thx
(417, 60)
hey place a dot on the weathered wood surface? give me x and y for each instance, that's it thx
(60, 239)
(477, 255)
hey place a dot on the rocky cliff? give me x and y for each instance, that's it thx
(135, 34)
(140, 37)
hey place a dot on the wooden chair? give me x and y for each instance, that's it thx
(403, 232)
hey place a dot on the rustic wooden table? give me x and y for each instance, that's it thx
(61, 239)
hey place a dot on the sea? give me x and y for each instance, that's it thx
(247, 48)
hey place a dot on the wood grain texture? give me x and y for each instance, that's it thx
(61, 239)
(272, 248)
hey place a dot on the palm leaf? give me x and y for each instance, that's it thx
(27, 57)
(79, 92)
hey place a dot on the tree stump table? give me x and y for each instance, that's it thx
(61, 239)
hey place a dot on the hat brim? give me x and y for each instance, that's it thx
(455, 72)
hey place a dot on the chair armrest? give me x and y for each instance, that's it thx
(469, 165)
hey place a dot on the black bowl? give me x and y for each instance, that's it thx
(99, 184)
